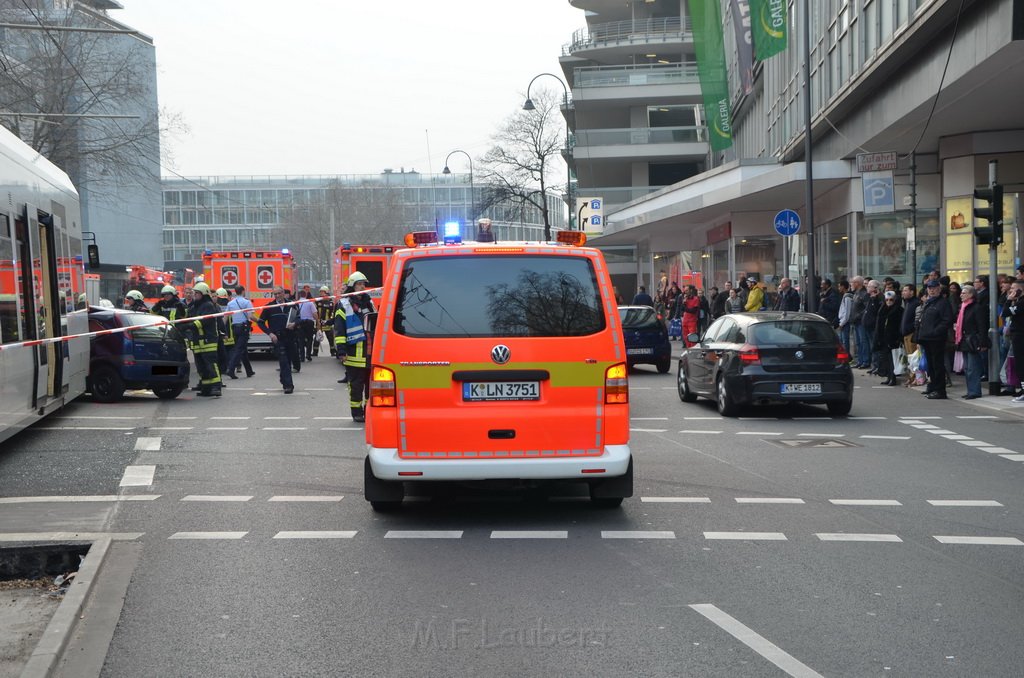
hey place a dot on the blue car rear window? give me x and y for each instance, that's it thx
(639, 318)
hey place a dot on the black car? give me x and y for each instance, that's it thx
(150, 355)
(767, 357)
(646, 337)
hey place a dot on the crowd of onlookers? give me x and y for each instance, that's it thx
(902, 333)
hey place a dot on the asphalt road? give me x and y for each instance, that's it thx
(784, 542)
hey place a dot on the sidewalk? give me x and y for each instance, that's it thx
(991, 403)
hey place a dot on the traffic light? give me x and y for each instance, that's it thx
(992, 234)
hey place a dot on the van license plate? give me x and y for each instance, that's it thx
(801, 388)
(501, 390)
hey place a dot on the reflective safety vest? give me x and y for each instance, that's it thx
(352, 341)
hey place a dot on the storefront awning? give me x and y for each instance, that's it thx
(709, 198)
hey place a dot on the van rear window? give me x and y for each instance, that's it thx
(499, 296)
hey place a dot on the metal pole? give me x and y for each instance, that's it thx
(334, 246)
(994, 385)
(812, 292)
(912, 240)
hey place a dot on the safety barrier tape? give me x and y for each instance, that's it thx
(164, 321)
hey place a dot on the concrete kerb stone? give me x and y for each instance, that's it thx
(48, 652)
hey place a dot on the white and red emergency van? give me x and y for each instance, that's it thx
(259, 271)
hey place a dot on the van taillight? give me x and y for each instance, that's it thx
(616, 385)
(749, 355)
(382, 387)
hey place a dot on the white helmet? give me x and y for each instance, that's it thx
(168, 289)
(202, 288)
(356, 277)
(134, 295)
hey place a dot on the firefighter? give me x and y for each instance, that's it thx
(133, 301)
(204, 341)
(169, 306)
(225, 337)
(325, 307)
(350, 339)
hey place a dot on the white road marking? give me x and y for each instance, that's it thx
(956, 436)
(928, 417)
(842, 536)
(227, 428)
(865, 502)
(822, 435)
(423, 534)
(529, 534)
(996, 450)
(283, 428)
(1013, 457)
(925, 427)
(79, 498)
(232, 418)
(135, 476)
(963, 502)
(675, 500)
(637, 534)
(910, 421)
(208, 535)
(647, 430)
(147, 444)
(216, 497)
(976, 416)
(941, 432)
(768, 500)
(307, 497)
(171, 428)
(758, 433)
(87, 428)
(699, 431)
(976, 443)
(67, 536)
(313, 534)
(886, 437)
(983, 541)
(90, 416)
(282, 418)
(760, 536)
(756, 642)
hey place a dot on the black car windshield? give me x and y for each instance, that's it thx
(639, 318)
(146, 325)
(499, 296)
(140, 319)
(791, 333)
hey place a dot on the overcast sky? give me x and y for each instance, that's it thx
(345, 86)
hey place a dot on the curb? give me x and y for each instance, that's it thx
(48, 651)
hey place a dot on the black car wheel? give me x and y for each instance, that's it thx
(726, 406)
(107, 385)
(840, 408)
(664, 365)
(683, 386)
(168, 392)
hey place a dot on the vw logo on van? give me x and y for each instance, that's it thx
(500, 354)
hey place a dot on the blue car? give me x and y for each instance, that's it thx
(150, 355)
(646, 338)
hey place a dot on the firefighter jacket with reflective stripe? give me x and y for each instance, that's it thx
(171, 310)
(349, 333)
(326, 310)
(204, 331)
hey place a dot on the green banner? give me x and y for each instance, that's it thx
(768, 26)
(706, 16)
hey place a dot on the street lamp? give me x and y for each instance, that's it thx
(472, 194)
(528, 106)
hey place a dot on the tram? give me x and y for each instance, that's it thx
(40, 238)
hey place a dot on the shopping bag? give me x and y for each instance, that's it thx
(1012, 378)
(914, 360)
(675, 327)
(922, 365)
(319, 336)
(958, 362)
(899, 361)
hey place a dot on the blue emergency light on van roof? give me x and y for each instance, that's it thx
(452, 228)
(207, 252)
(285, 250)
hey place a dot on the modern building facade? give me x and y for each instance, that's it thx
(100, 88)
(932, 80)
(295, 212)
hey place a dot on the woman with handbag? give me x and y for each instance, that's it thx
(971, 338)
(888, 336)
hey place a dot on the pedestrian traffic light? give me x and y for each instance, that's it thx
(992, 234)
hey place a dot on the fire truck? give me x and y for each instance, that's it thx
(370, 260)
(259, 272)
(147, 280)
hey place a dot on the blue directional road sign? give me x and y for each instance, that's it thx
(787, 222)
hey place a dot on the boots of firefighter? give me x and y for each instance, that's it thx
(358, 414)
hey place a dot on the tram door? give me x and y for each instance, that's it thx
(38, 299)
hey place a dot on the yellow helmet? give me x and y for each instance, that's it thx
(168, 289)
(222, 293)
(356, 277)
(134, 295)
(202, 288)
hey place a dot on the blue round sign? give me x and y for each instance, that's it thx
(787, 222)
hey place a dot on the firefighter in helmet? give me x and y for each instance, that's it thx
(133, 301)
(169, 306)
(204, 340)
(351, 341)
(325, 309)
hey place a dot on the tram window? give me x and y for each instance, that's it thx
(8, 300)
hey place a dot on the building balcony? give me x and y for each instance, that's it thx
(597, 85)
(638, 143)
(639, 32)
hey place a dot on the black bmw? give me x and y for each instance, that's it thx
(767, 357)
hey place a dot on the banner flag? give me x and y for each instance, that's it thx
(740, 10)
(768, 19)
(711, 69)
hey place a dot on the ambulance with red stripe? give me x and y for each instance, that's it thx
(499, 362)
(259, 272)
(370, 260)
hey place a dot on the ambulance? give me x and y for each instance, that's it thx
(501, 363)
(370, 260)
(259, 272)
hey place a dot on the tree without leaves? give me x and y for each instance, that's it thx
(518, 169)
(55, 73)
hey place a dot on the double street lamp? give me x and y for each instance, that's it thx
(528, 106)
(472, 194)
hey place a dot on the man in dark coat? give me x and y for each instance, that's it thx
(936, 320)
(828, 302)
(788, 299)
